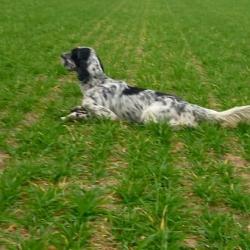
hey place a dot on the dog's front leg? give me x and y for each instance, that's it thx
(90, 110)
(102, 112)
(99, 111)
(77, 108)
(76, 114)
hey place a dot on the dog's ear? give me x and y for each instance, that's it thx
(80, 54)
(84, 53)
(83, 74)
(80, 57)
(75, 57)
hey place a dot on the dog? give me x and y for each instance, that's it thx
(105, 97)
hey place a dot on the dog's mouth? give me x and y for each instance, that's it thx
(67, 62)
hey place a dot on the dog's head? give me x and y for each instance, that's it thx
(84, 61)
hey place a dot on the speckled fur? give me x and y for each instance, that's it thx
(114, 99)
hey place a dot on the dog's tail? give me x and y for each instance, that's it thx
(228, 118)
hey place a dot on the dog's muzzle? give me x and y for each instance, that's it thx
(68, 62)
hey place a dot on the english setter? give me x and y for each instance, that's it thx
(113, 99)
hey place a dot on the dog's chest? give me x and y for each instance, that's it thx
(127, 107)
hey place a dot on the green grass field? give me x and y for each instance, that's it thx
(114, 185)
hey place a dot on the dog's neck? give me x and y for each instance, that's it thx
(91, 73)
(92, 81)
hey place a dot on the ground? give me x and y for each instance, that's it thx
(115, 185)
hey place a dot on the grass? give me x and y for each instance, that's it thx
(115, 185)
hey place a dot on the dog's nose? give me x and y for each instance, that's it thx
(63, 56)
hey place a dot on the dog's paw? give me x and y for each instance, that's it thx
(63, 118)
(79, 115)
(77, 109)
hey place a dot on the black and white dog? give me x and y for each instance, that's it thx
(105, 97)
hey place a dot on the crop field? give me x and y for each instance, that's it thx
(108, 185)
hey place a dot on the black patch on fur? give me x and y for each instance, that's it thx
(80, 57)
(80, 54)
(135, 90)
(159, 94)
(180, 108)
(105, 95)
(138, 106)
(83, 74)
(132, 90)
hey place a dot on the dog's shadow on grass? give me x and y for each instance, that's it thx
(211, 135)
